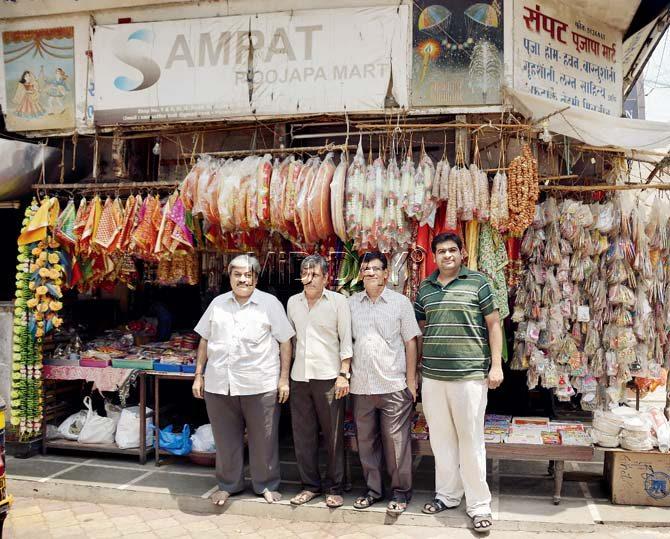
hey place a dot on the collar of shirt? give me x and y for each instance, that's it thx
(303, 297)
(384, 296)
(462, 274)
(254, 298)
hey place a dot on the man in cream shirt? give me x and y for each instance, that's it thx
(319, 380)
(242, 373)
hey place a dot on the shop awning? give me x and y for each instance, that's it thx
(594, 128)
(21, 166)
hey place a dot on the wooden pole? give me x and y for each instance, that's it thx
(604, 187)
(105, 186)
(442, 126)
(280, 151)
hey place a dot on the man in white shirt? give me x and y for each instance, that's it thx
(242, 373)
(383, 384)
(319, 380)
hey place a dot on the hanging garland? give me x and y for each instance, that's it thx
(38, 281)
(26, 353)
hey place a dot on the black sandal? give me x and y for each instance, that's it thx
(482, 523)
(434, 507)
(363, 502)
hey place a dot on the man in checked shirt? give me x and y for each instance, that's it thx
(383, 383)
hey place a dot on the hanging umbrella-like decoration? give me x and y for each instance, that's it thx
(435, 21)
(481, 18)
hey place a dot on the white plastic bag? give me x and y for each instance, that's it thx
(113, 411)
(203, 439)
(128, 429)
(96, 429)
(71, 427)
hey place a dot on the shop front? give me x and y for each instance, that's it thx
(337, 132)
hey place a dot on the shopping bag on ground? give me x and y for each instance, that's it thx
(96, 429)
(203, 439)
(128, 428)
(177, 443)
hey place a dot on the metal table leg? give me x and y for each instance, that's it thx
(157, 400)
(143, 418)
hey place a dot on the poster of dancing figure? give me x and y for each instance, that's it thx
(39, 79)
(457, 56)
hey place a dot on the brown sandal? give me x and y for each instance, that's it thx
(334, 501)
(304, 497)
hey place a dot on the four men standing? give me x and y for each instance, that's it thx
(245, 357)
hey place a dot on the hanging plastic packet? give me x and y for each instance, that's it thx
(337, 198)
(355, 187)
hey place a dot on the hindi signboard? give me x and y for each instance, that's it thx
(314, 61)
(563, 56)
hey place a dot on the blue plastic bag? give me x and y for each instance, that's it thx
(175, 443)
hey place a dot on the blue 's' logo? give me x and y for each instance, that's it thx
(150, 70)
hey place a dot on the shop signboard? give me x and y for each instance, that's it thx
(457, 53)
(284, 63)
(563, 56)
(39, 79)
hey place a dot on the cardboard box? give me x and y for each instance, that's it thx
(638, 478)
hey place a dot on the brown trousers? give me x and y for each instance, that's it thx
(228, 416)
(314, 407)
(383, 424)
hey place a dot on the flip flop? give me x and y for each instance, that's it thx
(304, 497)
(482, 523)
(363, 502)
(334, 501)
(434, 507)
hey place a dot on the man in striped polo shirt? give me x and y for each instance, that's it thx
(461, 351)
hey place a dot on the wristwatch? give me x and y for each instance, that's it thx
(346, 375)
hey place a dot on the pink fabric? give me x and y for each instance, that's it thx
(104, 379)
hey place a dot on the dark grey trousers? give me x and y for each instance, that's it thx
(314, 407)
(228, 416)
(383, 424)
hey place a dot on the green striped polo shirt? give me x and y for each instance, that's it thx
(456, 338)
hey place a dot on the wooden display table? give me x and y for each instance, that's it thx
(555, 454)
(141, 451)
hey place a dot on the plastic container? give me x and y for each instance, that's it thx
(190, 368)
(166, 367)
(142, 364)
(61, 362)
(93, 362)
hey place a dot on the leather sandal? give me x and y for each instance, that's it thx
(434, 507)
(396, 507)
(304, 497)
(334, 501)
(363, 502)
